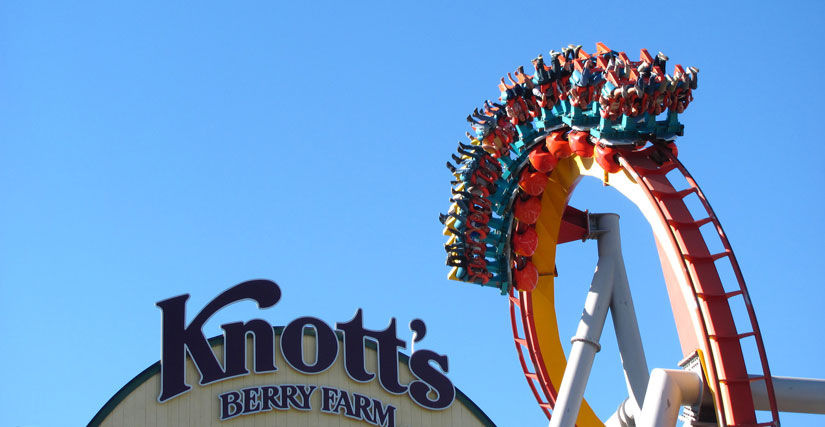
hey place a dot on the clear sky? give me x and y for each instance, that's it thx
(151, 149)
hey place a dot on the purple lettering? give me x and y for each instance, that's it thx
(290, 393)
(388, 344)
(231, 404)
(177, 339)
(384, 417)
(327, 396)
(306, 393)
(326, 345)
(362, 408)
(251, 401)
(430, 379)
(234, 348)
(345, 403)
(270, 393)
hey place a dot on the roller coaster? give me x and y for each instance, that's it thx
(606, 116)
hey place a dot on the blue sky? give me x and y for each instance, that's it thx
(152, 149)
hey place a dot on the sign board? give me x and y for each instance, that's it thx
(303, 374)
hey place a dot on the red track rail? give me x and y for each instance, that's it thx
(521, 310)
(726, 362)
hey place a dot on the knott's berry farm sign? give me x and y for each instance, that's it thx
(304, 373)
(178, 339)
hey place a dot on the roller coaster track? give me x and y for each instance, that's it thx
(701, 302)
(599, 115)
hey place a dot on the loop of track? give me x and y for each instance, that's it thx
(704, 299)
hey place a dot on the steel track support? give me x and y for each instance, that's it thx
(668, 390)
(801, 395)
(609, 289)
(629, 339)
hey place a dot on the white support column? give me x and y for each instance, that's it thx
(628, 338)
(622, 417)
(609, 290)
(586, 341)
(668, 390)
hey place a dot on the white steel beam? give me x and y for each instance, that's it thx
(668, 390)
(608, 290)
(802, 395)
(586, 341)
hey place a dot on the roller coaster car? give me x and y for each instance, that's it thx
(527, 91)
(542, 159)
(525, 243)
(594, 106)
(515, 106)
(525, 274)
(473, 269)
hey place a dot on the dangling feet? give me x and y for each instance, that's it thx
(693, 72)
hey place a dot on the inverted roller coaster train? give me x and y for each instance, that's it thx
(615, 119)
